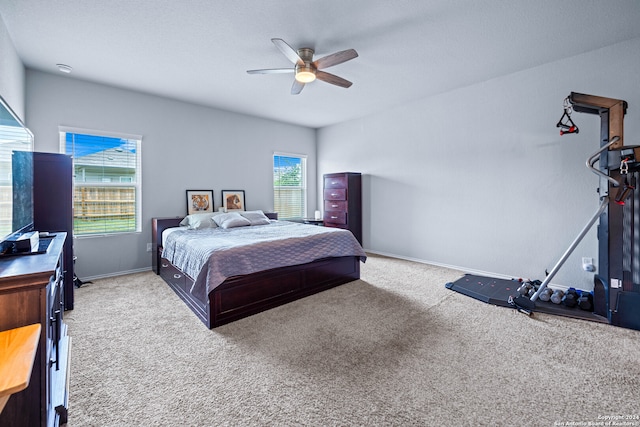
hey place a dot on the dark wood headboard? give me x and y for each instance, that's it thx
(158, 225)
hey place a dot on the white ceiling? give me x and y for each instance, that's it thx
(199, 50)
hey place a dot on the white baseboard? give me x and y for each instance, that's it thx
(119, 273)
(465, 270)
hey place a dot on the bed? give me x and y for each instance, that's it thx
(227, 272)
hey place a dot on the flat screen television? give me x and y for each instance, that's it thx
(22, 189)
(16, 176)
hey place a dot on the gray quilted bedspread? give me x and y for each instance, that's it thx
(214, 254)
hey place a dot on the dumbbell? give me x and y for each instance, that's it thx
(525, 288)
(585, 301)
(545, 295)
(557, 296)
(535, 285)
(570, 299)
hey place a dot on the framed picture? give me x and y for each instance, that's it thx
(199, 201)
(233, 200)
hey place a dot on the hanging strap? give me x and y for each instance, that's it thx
(565, 123)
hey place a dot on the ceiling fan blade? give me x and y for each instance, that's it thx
(335, 59)
(272, 71)
(288, 51)
(297, 87)
(333, 79)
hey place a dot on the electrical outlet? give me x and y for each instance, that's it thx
(149, 247)
(587, 264)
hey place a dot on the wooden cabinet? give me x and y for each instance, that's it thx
(342, 195)
(31, 292)
(53, 206)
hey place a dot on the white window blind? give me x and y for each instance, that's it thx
(289, 186)
(107, 182)
(13, 137)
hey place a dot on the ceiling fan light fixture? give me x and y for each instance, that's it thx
(305, 74)
(307, 70)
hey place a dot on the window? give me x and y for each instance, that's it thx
(107, 184)
(13, 137)
(289, 186)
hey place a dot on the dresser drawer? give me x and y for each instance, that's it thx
(335, 182)
(335, 194)
(171, 274)
(335, 205)
(335, 217)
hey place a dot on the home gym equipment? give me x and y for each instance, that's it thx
(557, 296)
(570, 299)
(565, 123)
(545, 295)
(525, 288)
(585, 301)
(616, 295)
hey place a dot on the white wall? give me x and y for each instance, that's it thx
(479, 178)
(184, 146)
(12, 73)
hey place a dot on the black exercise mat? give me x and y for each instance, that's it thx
(486, 289)
(497, 292)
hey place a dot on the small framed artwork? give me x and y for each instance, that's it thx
(199, 201)
(233, 200)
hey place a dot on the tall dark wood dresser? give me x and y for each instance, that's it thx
(32, 291)
(343, 202)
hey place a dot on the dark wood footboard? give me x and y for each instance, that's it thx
(242, 296)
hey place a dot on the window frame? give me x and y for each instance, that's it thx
(304, 185)
(137, 185)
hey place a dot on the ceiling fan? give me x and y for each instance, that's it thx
(306, 69)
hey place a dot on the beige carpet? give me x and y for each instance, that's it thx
(395, 348)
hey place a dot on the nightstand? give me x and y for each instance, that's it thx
(313, 221)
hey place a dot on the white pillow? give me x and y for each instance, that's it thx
(198, 221)
(231, 220)
(256, 217)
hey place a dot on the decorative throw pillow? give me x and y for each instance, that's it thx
(198, 221)
(256, 217)
(231, 220)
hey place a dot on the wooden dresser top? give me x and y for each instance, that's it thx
(32, 269)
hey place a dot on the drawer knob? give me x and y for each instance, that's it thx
(164, 265)
(177, 276)
(334, 194)
(334, 206)
(334, 217)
